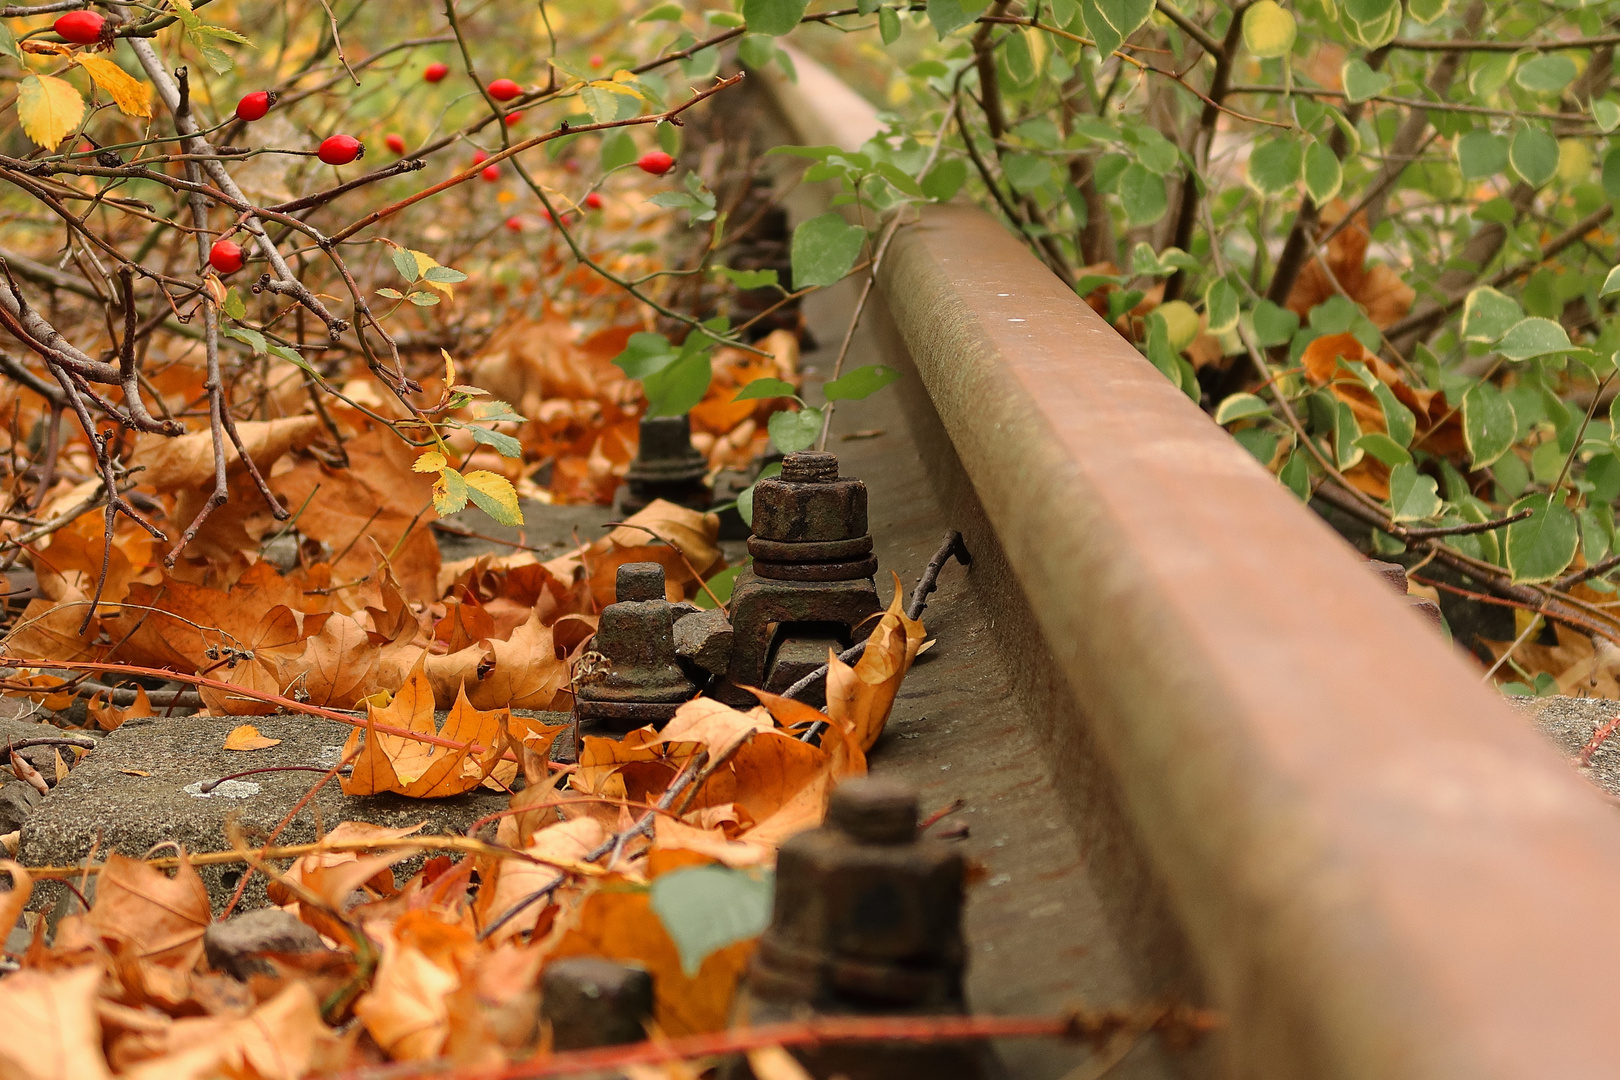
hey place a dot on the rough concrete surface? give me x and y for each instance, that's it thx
(1570, 723)
(140, 788)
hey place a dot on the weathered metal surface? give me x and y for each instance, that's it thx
(589, 1001)
(639, 679)
(867, 918)
(1380, 872)
(666, 466)
(812, 565)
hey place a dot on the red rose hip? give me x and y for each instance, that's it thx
(80, 27)
(513, 118)
(594, 201)
(479, 157)
(341, 149)
(396, 142)
(655, 162)
(253, 106)
(490, 173)
(514, 224)
(225, 256)
(434, 72)
(504, 89)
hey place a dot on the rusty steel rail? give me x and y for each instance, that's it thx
(1375, 869)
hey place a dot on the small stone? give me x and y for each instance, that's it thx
(705, 639)
(17, 801)
(1394, 574)
(1427, 608)
(234, 946)
(590, 1002)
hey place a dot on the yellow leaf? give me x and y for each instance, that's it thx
(449, 367)
(430, 461)
(499, 500)
(424, 263)
(133, 98)
(247, 737)
(1268, 29)
(49, 109)
(618, 88)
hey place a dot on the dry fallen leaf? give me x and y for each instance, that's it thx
(248, 737)
(52, 1032)
(420, 769)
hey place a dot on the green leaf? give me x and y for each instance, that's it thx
(1549, 73)
(773, 17)
(1533, 337)
(723, 583)
(494, 495)
(1490, 427)
(443, 275)
(449, 492)
(1274, 325)
(1534, 155)
(765, 388)
(748, 279)
(1113, 21)
(1398, 419)
(1274, 166)
(233, 306)
(1540, 547)
(1426, 11)
(423, 299)
(888, 25)
(1481, 154)
(215, 58)
(947, 16)
(1296, 477)
(1345, 433)
(824, 249)
(1362, 82)
(405, 263)
(1488, 314)
(861, 383)
(674, 389)
(1322, 173)
(618, 149)
(1385, 449)
(705, 908)
(1240, 407)
(391, 294)
(664, 13)
(1026, 172)
(645, 354)
(1606, 113)
(745, 498)
(945, 179)
(792, 431)
(1220, 306)
(1595, 539)
(1142, 194)
(252, 338)
(902, 181)
(1611, 284)
(8, 43)
(1018, 57)
(504, 445)
(1412, 496)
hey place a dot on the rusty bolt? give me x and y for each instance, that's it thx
(590, 1002)
(639, 581)
(867, 915)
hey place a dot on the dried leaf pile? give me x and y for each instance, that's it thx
(629, 854)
